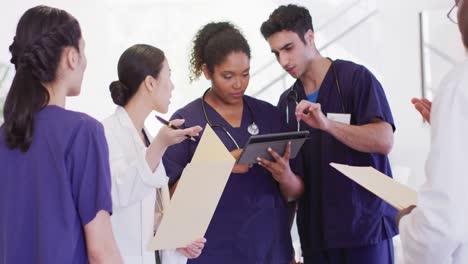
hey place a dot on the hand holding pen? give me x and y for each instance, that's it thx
(178, 134)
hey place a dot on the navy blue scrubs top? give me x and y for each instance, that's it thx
(49, 193)
(250, 224)
(335, 212)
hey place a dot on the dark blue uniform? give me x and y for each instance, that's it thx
(251, 223)
(338, 220)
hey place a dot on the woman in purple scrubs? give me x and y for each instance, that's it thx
(250, 224)
(55, 199)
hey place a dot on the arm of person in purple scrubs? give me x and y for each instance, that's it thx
(100, 242)
(424, 108)
(291, 185)
(375, 137)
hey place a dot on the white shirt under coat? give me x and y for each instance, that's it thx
(437, 229)
(136, 205)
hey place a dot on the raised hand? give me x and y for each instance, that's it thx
(311, 114)
(168, 136)
(424, 108)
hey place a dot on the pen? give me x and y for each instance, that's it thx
(165, 122)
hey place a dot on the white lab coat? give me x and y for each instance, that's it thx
(135, 203)
(437, 229)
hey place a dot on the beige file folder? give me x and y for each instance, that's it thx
(197, 195)
(389, 190)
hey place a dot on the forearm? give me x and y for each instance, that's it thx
(154, 154)
(370, 138)
(291, 186)
(100, 243)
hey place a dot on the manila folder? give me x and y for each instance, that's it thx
(389, 190)
(197, 195)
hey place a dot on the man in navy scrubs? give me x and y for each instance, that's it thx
(345, 109)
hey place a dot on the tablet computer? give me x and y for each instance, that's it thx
(257, 146)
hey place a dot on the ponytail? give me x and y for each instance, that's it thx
(41, 36)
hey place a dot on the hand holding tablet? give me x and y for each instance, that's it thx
(257, 146)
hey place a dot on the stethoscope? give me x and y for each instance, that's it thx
(292, 95)
(252, 128)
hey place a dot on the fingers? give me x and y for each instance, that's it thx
(274, 167)
(425, 112)
(277, 158)
(301, 108)
(423, 102)
(177, 122)
(427, 103)
(287, 151)
(275, 155)
(312, 109)
(192, 131)
(194, 249)
(199, 243)
(189, 253)
(403, 213)
(415, 100)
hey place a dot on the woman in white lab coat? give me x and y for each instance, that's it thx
(139, 182)
(436, 230)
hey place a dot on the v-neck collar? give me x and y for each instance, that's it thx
(220, 117)
(324, 88)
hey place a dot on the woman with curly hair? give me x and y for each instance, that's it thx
(251, 223)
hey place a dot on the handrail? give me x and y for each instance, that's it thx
(338, 15)
(329, 43)
(351, 28)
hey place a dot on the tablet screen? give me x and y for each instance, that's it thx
(257, 145)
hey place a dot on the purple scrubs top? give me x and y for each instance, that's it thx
(335, 212)
(50, 192)
(250, 224)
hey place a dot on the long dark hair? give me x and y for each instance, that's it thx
(135, 64)
(41, 35)
(212, 44)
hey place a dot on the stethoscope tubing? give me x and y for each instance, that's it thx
(252, 115)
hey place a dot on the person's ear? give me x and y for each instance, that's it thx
(72, 57)
(309, 37)
(206, 72)
(150, 83)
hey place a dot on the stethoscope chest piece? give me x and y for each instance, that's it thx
(253, 129)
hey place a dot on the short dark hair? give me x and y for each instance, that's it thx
(41, 35)
(212, 44)
(135, 64)
(288, 17)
